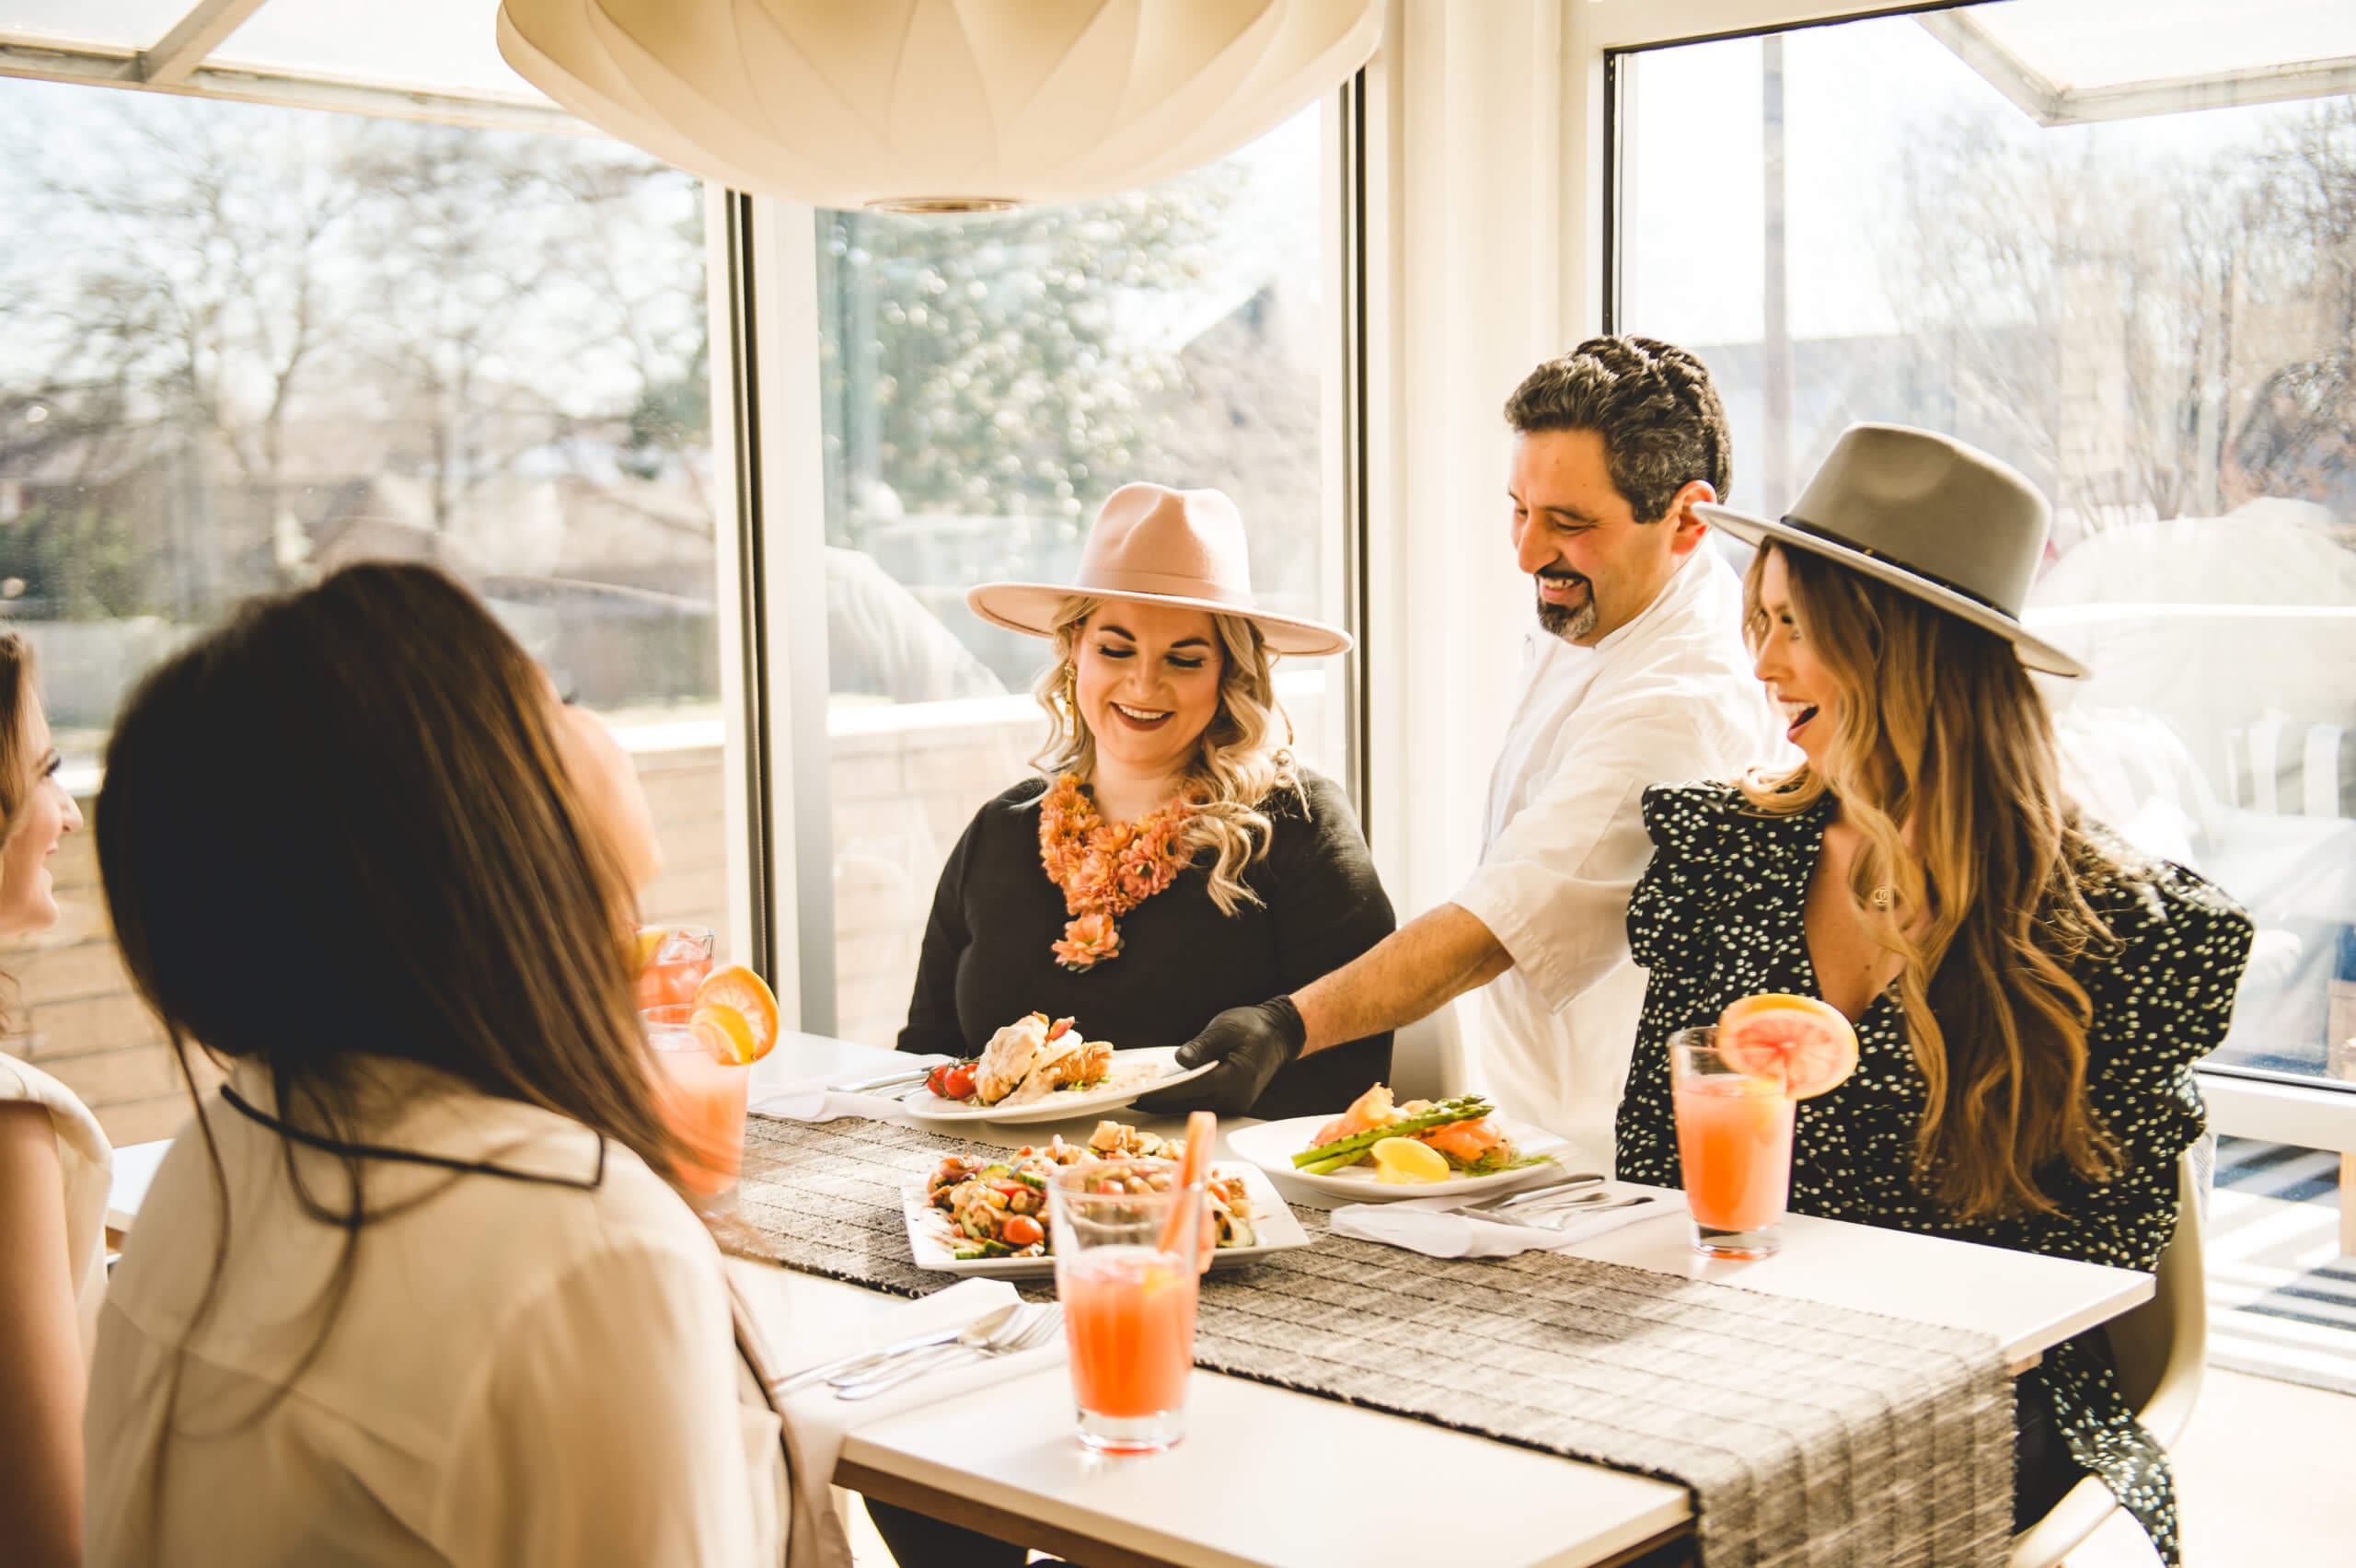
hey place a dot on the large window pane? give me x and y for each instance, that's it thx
(2156, 318)
(240, 347)
(987, 382)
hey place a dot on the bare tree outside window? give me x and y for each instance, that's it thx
(2153, 318)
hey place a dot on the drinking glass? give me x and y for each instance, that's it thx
(1733, 1138)
(1125, 1238)
(679, 961)
(703, 1089)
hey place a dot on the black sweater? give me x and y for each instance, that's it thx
(989, 960)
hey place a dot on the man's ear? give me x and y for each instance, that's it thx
(1690, 529)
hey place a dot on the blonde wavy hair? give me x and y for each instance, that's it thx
(1940, 739)
(1237, 764)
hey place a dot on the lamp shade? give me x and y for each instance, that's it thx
(937, 105)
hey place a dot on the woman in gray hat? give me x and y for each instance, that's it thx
(2028, 994)
(1171, 859)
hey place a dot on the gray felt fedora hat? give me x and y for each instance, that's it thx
(1923, 513)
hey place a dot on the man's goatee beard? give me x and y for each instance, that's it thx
(1569, 624)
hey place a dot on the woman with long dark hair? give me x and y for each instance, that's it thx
(2029, 994)
(53, 1168)
(416, 1286)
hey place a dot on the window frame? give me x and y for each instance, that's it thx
(2243, 1101)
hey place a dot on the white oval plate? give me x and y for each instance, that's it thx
(1133, 1073)
(934, 1244)
(1271, 1145)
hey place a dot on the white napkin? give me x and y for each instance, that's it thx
(1421, 1226)
(823, 1105)
(810, 1099)
(816, 1423)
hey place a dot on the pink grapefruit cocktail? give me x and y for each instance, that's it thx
(703, 1089)
(1129, 1316)
(1124, 1233)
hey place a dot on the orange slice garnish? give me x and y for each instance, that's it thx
(738, 989)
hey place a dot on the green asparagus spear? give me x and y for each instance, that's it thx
(1326, 1158)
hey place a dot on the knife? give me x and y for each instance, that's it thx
(988, 1323)
(1524, 1194)
(891, 1080)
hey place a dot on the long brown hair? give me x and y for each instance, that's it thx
(16, 767)
(1941, 738)
(1237, 764)
(337, 831)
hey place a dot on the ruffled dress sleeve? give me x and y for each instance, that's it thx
(1675, 913)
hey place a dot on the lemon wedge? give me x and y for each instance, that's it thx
(726, 1024)
(1404, 1159)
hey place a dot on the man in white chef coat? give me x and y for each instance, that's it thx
(1635, 674)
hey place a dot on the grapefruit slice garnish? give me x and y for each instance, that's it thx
(1800, 1043)
(739, 990)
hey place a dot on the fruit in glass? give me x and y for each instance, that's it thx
(673, 961)
(1735, 1088)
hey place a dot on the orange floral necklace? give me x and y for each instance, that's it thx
(1106, 868)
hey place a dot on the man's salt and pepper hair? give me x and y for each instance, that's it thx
(1662, 424)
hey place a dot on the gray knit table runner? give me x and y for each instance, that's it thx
(1808, 1433)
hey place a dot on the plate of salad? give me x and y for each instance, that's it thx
(1378, 1149)
(988, 1214)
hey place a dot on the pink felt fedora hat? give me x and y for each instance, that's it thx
(1165, 546)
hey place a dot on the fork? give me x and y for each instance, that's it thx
(1028, 1329)
(1561, 1217)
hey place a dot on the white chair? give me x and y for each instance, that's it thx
(2162, 1348)
(1427, 1058)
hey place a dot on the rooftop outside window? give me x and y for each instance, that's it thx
(2153, 316)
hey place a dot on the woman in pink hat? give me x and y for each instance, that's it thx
(1172, 859)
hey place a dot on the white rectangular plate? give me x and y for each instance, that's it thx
(935, 1247)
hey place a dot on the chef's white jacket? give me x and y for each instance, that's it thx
(1666, 698)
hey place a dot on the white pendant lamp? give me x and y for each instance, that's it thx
(936, 105)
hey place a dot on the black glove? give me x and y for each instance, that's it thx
(1251, 1046)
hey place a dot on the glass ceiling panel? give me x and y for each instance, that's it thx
(119, 24)
(443, 46)
(2096, 43)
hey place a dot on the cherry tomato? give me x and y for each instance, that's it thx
(1023, 1231)
(957, 1082)
(937, 1080)
(1062, 1026)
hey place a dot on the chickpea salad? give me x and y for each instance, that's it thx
(996, 1206)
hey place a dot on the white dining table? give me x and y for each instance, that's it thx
(1268, 1478)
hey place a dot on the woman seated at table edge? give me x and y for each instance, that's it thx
(419, 1264)
(2029, 994)
(54, 1164)
(1174, 861)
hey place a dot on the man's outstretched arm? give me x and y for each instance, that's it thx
(1409, 975)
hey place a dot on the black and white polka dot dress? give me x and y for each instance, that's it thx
(1719, 917)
